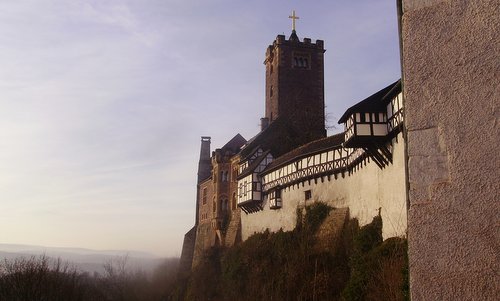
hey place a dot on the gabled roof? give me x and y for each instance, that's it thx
(252, 166)
(315, 146)
(279, 137)
(234, 145)
(372, 104)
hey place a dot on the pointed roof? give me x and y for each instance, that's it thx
(374, 103)
(253, 165)
(234, 145)
(293, 36)
(279, 137)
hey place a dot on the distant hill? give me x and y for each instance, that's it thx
(86, 260)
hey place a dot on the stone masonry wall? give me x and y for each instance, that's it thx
(451, 76)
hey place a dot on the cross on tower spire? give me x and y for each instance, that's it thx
(293, 17)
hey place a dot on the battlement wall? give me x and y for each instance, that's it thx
(306, 42)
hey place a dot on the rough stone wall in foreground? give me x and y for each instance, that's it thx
(451, 63)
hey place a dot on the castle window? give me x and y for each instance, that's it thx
(271, 92)
(254, 186)
(234, 201)
(214, 205)
(301, 60)
(204, 196)
(307, 195)
(363, 119)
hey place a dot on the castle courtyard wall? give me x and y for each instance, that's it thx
(364, 191)
(451, 75)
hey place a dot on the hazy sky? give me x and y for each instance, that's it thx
(102, 104)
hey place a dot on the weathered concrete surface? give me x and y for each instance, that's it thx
(451, 76)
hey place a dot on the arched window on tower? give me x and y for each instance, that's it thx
(301, 61)
(233, 203)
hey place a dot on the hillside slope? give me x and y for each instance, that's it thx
(326, 257)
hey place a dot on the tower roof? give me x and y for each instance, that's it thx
(294, 37)
(234, 144)
(279, 137)
(373, 103)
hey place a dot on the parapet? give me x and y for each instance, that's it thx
(295, 42)
(281, 40)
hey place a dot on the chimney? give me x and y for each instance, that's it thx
(204, 165)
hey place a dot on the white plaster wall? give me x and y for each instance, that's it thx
(364, 192)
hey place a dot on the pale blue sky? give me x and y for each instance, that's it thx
(103, 103)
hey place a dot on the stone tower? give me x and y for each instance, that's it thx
(294, 84)
(204, 165)
(204, 169)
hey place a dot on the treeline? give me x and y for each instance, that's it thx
(46, 279)
(289, 266)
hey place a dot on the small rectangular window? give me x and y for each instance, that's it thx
(307, 195)
(254, 186)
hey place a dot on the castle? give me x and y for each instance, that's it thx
(246, 187)
(430, 167)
